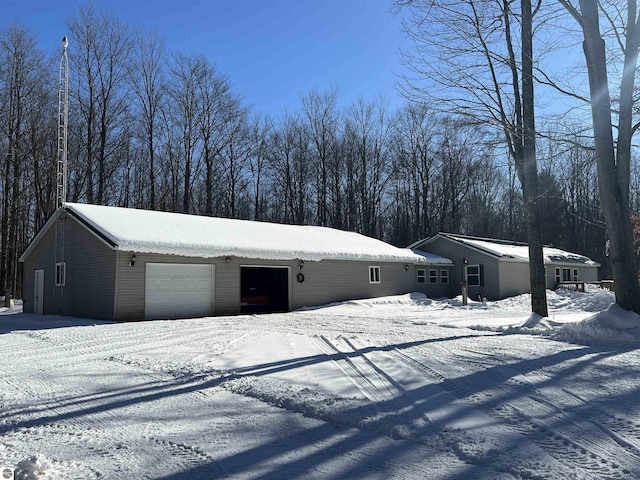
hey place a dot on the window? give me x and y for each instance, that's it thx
(474, 276)
(575, 274)
(558, 278)
(374, 274)
(433, 276)
(61, 272)
(421, 275)
(566, 274)
(444, 276)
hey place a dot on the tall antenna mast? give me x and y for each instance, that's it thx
(63, 118)
(61, 178)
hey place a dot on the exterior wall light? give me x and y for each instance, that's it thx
(132, 262)
(301, 264)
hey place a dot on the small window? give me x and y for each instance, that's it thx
(575, 274)
(61, 273)
(444, 276)
(566, 274)
(421, 275)
(374, 274)
(473, 276)
(558, 278)
(433, 276)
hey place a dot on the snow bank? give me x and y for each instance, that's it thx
(37, 467)
(611, 326)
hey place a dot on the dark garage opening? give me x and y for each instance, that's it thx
(264, 290)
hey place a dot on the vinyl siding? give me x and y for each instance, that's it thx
(41, 258)
(90, 282)
(514, 279)
(586, 273)
(90, 274)
(456, 252)
(324, 282)
(332, 281)
(131, 281)
(433, 290)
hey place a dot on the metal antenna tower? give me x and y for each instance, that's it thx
(61, 176)
(63, 118)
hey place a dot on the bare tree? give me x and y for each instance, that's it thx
(613, 155)
(413, 144)
(148, 87)
(321, 114)
(289, 159)
(367, 137)
(21, 74)
(259, 129)
(467, 51)
(101, 62)
(187, 73)
(234, 160)
(217, 122)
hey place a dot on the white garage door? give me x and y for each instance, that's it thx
(178, 290)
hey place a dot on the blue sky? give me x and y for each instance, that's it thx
(271, 50)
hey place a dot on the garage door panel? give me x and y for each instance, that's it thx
(178, 290)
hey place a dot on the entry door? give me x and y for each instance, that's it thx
(38, 292)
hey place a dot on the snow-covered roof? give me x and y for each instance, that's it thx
(433, 259)
(145, 231)
(517, 251)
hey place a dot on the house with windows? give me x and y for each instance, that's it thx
(497, 268)
(127, 264)
(432, 277)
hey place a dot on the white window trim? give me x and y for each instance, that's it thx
(444, 276)
(568, 276)
(478, 284)
(433, 276)
(575, 274)
(61, 274)
(558, 275)
(374, 274)
(421, 276)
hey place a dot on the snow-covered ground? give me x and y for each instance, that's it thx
(401, 387)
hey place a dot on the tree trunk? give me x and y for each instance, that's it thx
(530, 171)
(613, 184)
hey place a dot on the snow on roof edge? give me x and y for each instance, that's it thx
(505, 250)
(112, 223)
(432, 258)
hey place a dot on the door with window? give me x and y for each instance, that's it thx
(474, 275)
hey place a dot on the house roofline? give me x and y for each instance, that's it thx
(92, 229)
(459, 240)
(51, 222)
(452, 238)
(43, 231)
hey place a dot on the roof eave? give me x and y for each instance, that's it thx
(43, 231)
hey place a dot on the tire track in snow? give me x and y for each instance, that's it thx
(583, 446)
(417, 430)
(38, 411)
(372, 382)
(582, 421)
(622, 429)
(59, 349)
(114, 446)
